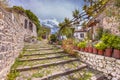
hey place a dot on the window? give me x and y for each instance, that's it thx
(82, 35)
(30, 26)
(25, 25)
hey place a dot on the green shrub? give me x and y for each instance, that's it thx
(82, 44)
(116, 43)
(100, 46)
(108, 39)
(53, 38)
(39, 38)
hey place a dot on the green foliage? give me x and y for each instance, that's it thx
(99, 33)
(100, 46)
(82, 44)
(76, 13)
(38, 75)
(33, 18)
(53, 38)
(39, 38)
(116, 42)
(108, 39)
(65, 28)
(18, 9)
(12, 75)
(93, 7)
(30, 15)
(117, 3)
(43, 31)
(86, 76)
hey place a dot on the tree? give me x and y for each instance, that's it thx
(65, 28)
(76, 13)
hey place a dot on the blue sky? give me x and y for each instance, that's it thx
(46, 9)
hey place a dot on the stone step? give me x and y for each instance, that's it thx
(26, 68)
(41, 54)
(38, 49)
(98, 77)
(43, 58)
(82, 66)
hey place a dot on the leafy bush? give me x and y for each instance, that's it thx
(100, 46)
(53, 38)
(82, 44)
(39, 38)
(116, 43)
(18, 9)
(108, 39)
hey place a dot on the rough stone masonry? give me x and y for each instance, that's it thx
(14, 30)
(108, 65)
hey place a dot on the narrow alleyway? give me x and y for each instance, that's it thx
(41, 61)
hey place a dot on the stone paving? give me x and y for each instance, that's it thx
(65, 67)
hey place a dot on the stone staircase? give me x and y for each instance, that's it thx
(50, 63)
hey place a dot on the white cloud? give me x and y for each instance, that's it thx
(58, 9)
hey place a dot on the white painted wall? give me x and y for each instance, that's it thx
(77, 35)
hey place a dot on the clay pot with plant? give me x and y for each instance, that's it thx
(90, 49)
(101, 47)
(116, 46)
(108, 39)
(82, 45)
(95, 51)
(86, 49)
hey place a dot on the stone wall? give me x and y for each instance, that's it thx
(108, 65)
(109, 19)
(12, 35)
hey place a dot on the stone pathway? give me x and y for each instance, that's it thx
(45, 62)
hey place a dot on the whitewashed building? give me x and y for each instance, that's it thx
(80, 34)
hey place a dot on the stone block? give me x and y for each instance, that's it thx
(1, 15)
(110, 59)
(1, 56)
(118, 61)
(100, 57)
(114, 79)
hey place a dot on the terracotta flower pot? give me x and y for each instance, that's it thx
(75, 47)
(108, 52)
(95, 50)
(82, 49)
(116, 54)
(90, 49)
(79, 49)
(86, 49)
(100, 52)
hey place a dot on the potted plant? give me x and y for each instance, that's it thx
(101, 47)
(82, 45)
(86, 49)
(90, 48)
(108, 40)
(95, 51)
(116, 46)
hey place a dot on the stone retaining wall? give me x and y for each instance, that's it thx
(108, 65)
(12, 35)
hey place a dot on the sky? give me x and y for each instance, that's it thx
(47, 9)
